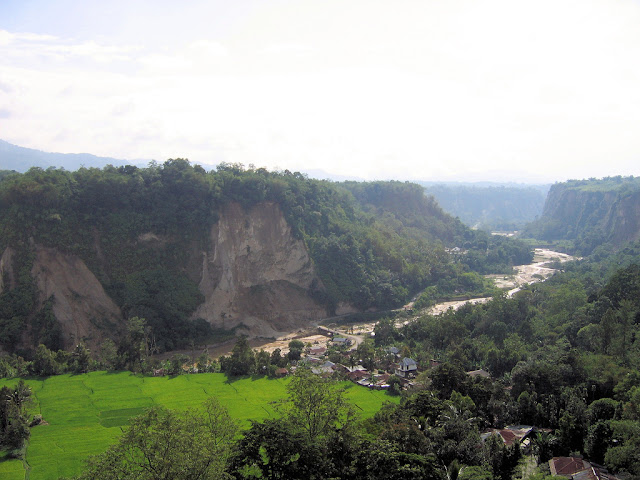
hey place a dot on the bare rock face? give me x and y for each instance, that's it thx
(81, 305)
(256, 275)
(616, 214)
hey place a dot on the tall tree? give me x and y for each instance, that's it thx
(166, 445)
(316, 406)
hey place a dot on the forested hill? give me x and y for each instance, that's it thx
(241, 248)
(591, 213)
(490, 207)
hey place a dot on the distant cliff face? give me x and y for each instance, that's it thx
(591, 213)
(252, 273)
(495, 207)
(256, 274)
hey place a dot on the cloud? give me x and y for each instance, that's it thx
(5, 113)
(93, 51)
(417, 89)
(7, 38)
(209, 48)
(287, 49)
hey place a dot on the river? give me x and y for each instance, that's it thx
(537, 271)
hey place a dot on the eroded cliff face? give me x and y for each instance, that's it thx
(576, 212)
(253, 274)
(256, 275)
(80, 304)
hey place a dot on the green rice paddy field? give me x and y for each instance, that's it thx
(85, 412)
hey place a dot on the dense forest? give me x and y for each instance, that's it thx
(561, 356)
(374, 245)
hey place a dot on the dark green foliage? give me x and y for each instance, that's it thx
(134, 346)
(14, 427)
(274, 450)
(44, 362)
(316, 408)
(45, 328)
(17, 303)
(502, 459)
(295, 349)
(165, 299)
(313, 439)
(164, 444)
(385, 461)
(241, 361)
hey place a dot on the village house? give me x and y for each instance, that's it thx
(357, 375)
(510, 434)
(341, 341)
(577, 468)
(317, 350)
(407, 367)
(394, 351)
(326, 369)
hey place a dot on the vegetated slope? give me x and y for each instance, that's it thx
(568, 349)
(189, 250)
(591, 213)
(490, 207)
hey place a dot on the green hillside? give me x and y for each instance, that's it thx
(373, 245)
(85, 412)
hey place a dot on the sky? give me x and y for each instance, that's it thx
(499, 90)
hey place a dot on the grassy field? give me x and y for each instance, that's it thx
(85, 412)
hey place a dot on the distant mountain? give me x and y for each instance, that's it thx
(21, 159)
(490, 206)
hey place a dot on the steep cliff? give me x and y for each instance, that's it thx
(591, 212)
(256, 274)
(253, 276)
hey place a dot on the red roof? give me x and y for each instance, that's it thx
(566, 466)
(358, 375)
(317, 350)
(508, 436)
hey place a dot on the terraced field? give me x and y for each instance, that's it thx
(85, 413)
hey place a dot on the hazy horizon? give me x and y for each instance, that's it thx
(499, 90)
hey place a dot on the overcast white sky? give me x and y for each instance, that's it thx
(529, 91)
